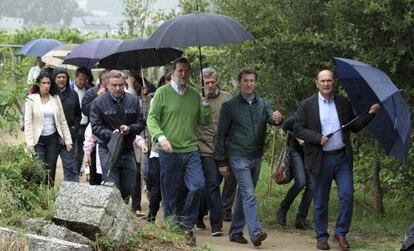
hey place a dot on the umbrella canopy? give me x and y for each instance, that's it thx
(134, 54)
(39, 47)
(367, 85)
(56, 56)
(199, 29)
(88, 53)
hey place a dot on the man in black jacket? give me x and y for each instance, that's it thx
(117, 111)
(94, 92)
(72, 110)
(329, 158)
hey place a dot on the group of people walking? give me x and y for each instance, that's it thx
(189, 143)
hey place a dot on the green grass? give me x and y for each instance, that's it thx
(368, 231)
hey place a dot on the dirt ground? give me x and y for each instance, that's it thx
(277, 239)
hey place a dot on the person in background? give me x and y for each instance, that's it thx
(94, 92)
(71, 107)
(239, 143)
(80, 86)
(302, 177)
(45, 124)
(211, 200)
(35, 71)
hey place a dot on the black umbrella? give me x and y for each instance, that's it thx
(114, 147)
(198, 29)
(367, 85)
(134, 54)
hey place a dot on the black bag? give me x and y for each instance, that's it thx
(408, 241)
(282, 174)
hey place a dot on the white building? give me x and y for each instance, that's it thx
(11, 24)
(100, 25)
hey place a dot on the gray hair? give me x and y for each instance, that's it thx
(209, 72)
(116, 74)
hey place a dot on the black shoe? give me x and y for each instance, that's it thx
(281, 216)
(191, 239)
(216, 232)
(238, 238)
(227, 217)
(257, 241)
(301, 224)
(200, 224)
(150, 218)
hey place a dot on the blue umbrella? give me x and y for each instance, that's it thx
(367, 85)
(133, 54)
(39, 47)
(89, 53)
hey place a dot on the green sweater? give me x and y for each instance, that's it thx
(177, 117)
(242, 128)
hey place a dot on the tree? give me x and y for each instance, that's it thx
(137, 13)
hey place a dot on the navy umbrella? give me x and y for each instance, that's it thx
(89, 53)
(198, 29)
(39, 47)
(134, 54)
(367, 85)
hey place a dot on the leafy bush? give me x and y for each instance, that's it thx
(23, 193)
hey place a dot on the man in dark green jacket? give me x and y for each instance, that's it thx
(240, 140)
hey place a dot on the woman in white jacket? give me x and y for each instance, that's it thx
(45, 124)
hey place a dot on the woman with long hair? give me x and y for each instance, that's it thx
(45, 124)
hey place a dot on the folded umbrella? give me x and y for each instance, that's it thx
(114, 147)
(39, 47)
(89, 53)
(135, 54)
(367, 85)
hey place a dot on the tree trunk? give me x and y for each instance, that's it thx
(379, 205)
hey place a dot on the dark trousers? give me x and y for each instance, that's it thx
(303, 179)
(47, 151)
(154, 187)
(70, 171)
(136, 195)
(78, 145)
(228, 193)
(94, 178)
(211, 199)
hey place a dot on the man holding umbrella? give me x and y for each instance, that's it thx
(328, 153)
(117, 111)
(175, 113)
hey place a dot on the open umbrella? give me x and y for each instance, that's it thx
(367, 85)
(39, 47)
(198, 29)
(134, 54)
(56, 56)
(88, 53)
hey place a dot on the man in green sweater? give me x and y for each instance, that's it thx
(240, 140)
(176, 111)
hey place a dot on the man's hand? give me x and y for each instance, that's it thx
(166, 146)
(277, 117)
(374, 108)
(324, 140)
(101, 91)
(144, 149)
(124, 129)
(224, 171)
(301, 142)
(69, 147)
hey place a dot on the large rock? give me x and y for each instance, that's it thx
(90, 210)
(10, 238)
(34, 225)
(67, 235)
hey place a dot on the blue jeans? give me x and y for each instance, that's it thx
(177, 169)
(335, 167)
(302, 178)
(47, 153)
(70, 170)
(246, 171)
(212, 192)
(122, 174)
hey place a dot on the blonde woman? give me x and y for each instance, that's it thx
(45, 124)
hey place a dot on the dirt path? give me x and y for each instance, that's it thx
(277, 239)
